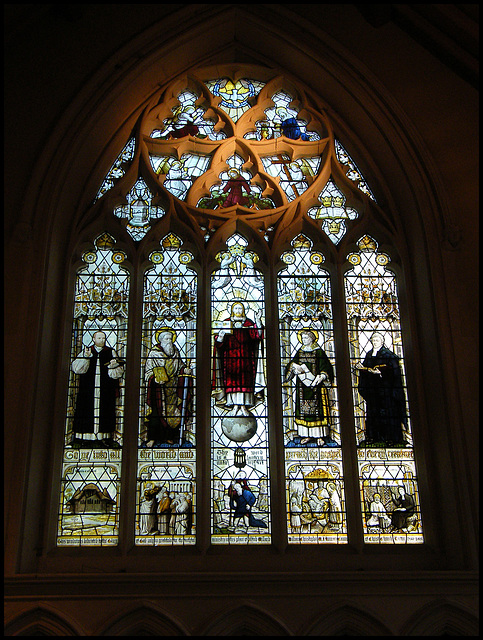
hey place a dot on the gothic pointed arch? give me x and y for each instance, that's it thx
(245, 620)
(42, 620)
(145, 619)
(347, 620)
(441, 617)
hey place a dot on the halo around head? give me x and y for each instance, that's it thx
(312, 331)
(159, 332)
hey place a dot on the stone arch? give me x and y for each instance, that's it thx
(347, 620)
(142, 620)
(157, 47)
(42, 621)
(62, 182)
(442, 618)
(246, 620)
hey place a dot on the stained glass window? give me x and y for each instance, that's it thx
(353, 172)
(188, 119)
(139, 210)
(236, 97)
(166, 489)
(388, 477)
(333, 212)
(237, 187)
(118, 168)
(259, 155)
(313, 455)
(91, 471)
(239, 422)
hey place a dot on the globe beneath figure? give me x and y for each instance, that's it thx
(239, 428)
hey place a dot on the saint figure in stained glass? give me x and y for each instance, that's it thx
(289, 125)
(177, 180)
(404, 509)
(99, 370)
(314, 373)
(169, 383)
(187, 120)
(236, 354)
(378, 514)
(381, 386)
(236, 188)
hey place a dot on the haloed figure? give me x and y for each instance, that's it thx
(236, 359)
(169, 391)
(314, 374)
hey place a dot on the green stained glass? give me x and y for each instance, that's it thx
(237, 186)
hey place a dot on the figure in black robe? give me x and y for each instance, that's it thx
(381, 386)
(99, 371)
(404, 510)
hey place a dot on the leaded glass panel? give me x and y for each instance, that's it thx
(353, 172)
(312, 448)
(388, 478)
(333, 212)
(166, 482)
(91, 470)
(239, 421)
(118, 169)
(236, 96)
(139, 210)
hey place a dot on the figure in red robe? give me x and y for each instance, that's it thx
(236, 382)
(235, 187)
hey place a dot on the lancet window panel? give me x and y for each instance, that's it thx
(314, 474)
(166, 476)
(387, 468)
(91, 471)
(239, 420)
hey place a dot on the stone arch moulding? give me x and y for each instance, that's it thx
(246, 620)
(345, 619)
(88, 125)
(133, 86)
(441, 617)
(42, 620)
(144, 619)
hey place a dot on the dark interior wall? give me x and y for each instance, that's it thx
(401, 85)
